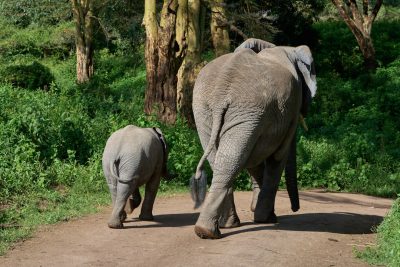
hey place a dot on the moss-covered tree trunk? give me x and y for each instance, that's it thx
(151, 54)
(192, 63)
(83, 16)
(360, 20)
(219, 28)
(162, 63)
(168, 63)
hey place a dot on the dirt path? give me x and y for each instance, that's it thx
(323, 233)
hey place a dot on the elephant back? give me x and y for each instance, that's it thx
(242, 78)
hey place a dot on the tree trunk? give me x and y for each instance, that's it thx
(191, 64)
(168, 63)
(151, 54)
(83, 16)
(219, 28)
(84, 63)
(165, 50)
(368, 51)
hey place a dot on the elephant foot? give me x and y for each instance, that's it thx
(262, 218)
(115, 224)
(230, 222)
(146, 217)
(205, 233)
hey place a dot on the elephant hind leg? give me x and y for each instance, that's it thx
(118, 214)
(256, 174)
(146, 213)
(264, 212)
(229, 217)
(133, 201)
(230, 158)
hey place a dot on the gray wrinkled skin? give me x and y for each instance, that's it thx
(246, 107)
(132, 157)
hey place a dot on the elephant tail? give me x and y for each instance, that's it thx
(198, 182)
(215, 131)
(114, 170)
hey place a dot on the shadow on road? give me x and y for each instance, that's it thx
(340, 223)
(328, 198)
(164, 220)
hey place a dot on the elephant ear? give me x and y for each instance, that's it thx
(165, 150)
(162, 139)
(305, 63)
(254, 44)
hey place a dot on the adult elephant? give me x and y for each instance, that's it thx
(247, 105)
(291, 166)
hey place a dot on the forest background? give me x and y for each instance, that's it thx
(54, 123)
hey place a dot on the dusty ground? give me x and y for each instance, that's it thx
(326, 230)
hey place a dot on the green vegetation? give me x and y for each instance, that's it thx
(52, 131)
(387, 252)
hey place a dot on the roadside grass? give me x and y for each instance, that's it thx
(387, 250)
(29, 212)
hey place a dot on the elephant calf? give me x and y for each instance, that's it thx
(134, 156)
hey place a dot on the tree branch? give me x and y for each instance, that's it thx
(358, 19)
(237, 30)
(365, 8)
(343, 13)
(375, 11)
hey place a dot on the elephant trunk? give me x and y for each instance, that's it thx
(291, 177)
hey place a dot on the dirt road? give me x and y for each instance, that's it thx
(323, 233)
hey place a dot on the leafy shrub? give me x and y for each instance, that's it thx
(24, 12)
(353, 143)
(338, 51)
(56, 41)
(31, 76)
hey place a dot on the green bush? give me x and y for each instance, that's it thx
(44, 12)
(337, 50)
(353, 142)
(32, 76)
(56, 41)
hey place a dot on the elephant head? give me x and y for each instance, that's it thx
(303, 60)
(254, 44)
(305, 66)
